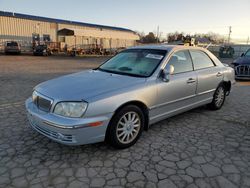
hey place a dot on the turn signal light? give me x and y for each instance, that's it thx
(95, 124)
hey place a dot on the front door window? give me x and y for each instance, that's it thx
(181, 61)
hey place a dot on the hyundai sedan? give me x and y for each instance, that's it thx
(121, 98)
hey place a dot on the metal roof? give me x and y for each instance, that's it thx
(97, 33)
(45, 19)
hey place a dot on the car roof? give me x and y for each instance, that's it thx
(165, 47)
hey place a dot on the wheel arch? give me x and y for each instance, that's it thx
(139, 104)
(227, 84)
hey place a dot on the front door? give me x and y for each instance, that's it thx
(178, 93)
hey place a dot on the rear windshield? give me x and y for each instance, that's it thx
(12, 44)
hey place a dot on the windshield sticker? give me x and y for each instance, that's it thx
(154, 56)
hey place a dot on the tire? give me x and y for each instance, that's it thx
(123, 134)
(218, 98)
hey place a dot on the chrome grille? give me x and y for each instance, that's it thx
(243, 70)
(42, 102)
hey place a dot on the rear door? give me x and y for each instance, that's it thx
(208, 74)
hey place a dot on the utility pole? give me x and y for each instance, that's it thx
(229, 34)
(247, 40)
(158, 34)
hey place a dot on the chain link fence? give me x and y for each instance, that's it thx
(238, 49)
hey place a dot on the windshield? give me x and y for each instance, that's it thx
(247, 53)
(134, 62)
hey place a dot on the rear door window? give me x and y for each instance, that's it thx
(201, 60)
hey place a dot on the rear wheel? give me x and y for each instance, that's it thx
(219, 98)
(125, 127)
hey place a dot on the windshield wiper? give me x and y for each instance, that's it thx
(105, 70)
(121, 73)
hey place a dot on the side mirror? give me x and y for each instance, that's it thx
(242, 55)
(169, 70)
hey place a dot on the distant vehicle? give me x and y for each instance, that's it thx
(12, 47)
(226, 52)
(122, 97)
(242, 66)
(42, 50)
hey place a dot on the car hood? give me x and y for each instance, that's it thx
(85, 85)
(242, 60)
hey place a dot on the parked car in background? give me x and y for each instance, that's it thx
(42, 50)
(12, 47)
(122, 97)
(242, 66)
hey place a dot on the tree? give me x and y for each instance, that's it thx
(180, 36)
(141, 35)
(211, 36)
(172, 37)
(149, 38)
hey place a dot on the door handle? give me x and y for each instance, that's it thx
(219, 74)
(191, 80)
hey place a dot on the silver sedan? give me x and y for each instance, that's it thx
(125, 95)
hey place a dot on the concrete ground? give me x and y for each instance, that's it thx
(199, 148)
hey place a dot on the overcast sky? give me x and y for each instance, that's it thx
(192, 16)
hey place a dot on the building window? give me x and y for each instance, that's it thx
(35, 37)
(61, 39)
(46, 38)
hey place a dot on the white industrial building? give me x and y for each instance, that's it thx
(29, 30)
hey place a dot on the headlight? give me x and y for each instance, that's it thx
(71, 109)
(44, 51)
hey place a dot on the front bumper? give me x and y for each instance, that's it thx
(242, 72)
(69, 131)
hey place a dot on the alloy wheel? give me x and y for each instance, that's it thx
(128, 127)
(219, 98)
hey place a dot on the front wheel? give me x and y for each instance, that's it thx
(125, 127)
(219, 98)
